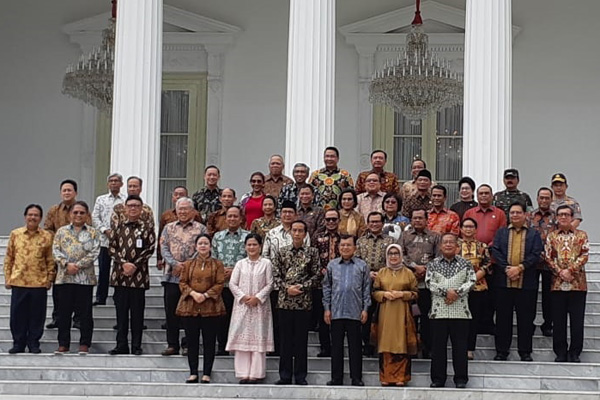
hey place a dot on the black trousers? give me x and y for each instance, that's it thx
(74, 298)
(104, 261)
(457, 330)
(507, 301)
(487, 324)
(424, 303)
(293, 360)
(225, 320)
(352, 330)
(273, 298)
(27, 316)
(129, 304)
(366, 330)
(209, 327)
(570, 303)
(477, 304)
(317, 318)
(171, 297)
(546, 297)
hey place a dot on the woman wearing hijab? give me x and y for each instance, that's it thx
(395, 287)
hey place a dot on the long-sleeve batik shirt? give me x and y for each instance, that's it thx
(81, 248)
(568, 250)
(178, 244)
(28, 261)
(101, 215)
(296, 266)
(442, 275)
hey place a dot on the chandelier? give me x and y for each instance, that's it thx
(417, 82)
(91, 78)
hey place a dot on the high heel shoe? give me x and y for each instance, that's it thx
(192, 380)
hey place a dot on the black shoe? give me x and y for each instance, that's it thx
(437, 385)
(357, 382)
(163, 326)
(115, 327)
(222, 353)
(302, 382)
(547, 332)
(501, 357)
(574, 358)
(192, 380)
(324, 353)
(16, 350)
(283, 382)
(137, 352)
(118, 350)
(52, 325)
(273, 354)
(335, 383)
(99, 303)
(461, 385)
(76, 324)
(244, 381)
(526, 357)
(144, 327)
(560, 359)
(35, 350)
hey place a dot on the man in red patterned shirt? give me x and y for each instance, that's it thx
(441, 219)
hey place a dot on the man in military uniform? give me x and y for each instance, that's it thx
(511, 194)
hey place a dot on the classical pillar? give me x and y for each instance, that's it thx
(135, 148)
(310, 81)
(488, 82)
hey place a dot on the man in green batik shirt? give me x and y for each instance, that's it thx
(331, 180)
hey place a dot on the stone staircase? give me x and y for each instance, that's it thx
(151, 376)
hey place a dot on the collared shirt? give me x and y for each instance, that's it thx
(103, 209)
(568, 250)
(571, 202)
(418, 248)
(347, 288)
(314, 217)
(229, 246)
(415, 201)
(544, 222)
(371, 248)
(329, 184)
(367, 203)
(409, 188)
(207, 201)
(488, 222)
(262, 226)
(276, 239)
(58, 215)
(389, 182)
(81, 248)
(443, 274)
(477, 253)
(118, 216)
(274, 185)
(461, 207)
(178, 244)
(328, 245)
(444, 221)
(290, 192)
(131, 242)
(166, 218)
(296, 266)
(217, 221)
(505, 198)
(28, 261)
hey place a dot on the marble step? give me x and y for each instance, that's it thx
(153, 297)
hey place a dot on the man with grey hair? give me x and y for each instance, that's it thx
(177, 245)
(134, 188)
(103, 209)
(291, 191)
(275, 180)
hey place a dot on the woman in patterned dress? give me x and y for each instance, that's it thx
(269, 220)
(251, 329)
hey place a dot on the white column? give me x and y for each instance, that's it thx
(137, 94)
(310, 81)
(366, 65)
(214, 120)
(488, 83)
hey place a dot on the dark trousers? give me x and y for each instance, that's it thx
(570, 303)
(225, 320)
(103, 275)
(273, 298)
(487, 324)
(457, 330)
(171, 297)
(546, 297)
(366, 330)
(27, 316)
(293, 360)
(74, 298)
(317, 318)
(352, 329)
(424, 303)
(209, 327)
(129, 304)
(523, 301)
(477, 304)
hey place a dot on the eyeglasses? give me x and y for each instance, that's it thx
(393, 253)
(134, 205)
(332, 219)
(563, 215)
(372, 180)
(79, 213)
(390, 201)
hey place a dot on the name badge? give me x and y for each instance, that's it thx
(138, 243)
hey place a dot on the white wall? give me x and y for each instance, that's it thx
(550, 112)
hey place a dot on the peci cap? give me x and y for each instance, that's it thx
(511, 173)
(559, 177)
(425, 173)
(288, 204)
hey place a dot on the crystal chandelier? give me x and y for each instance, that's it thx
(418, 82)
(91, 78)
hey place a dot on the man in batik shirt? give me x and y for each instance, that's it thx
(290, 191)
(275, 179)
(206, 200)
(567, 251)
(421, 198)
(389, 180)
(441, 219)
(312, 215)
(134, 188)
(331, 180)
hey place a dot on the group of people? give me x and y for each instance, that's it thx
(389, 267)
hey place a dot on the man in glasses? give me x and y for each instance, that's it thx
(389, 180)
